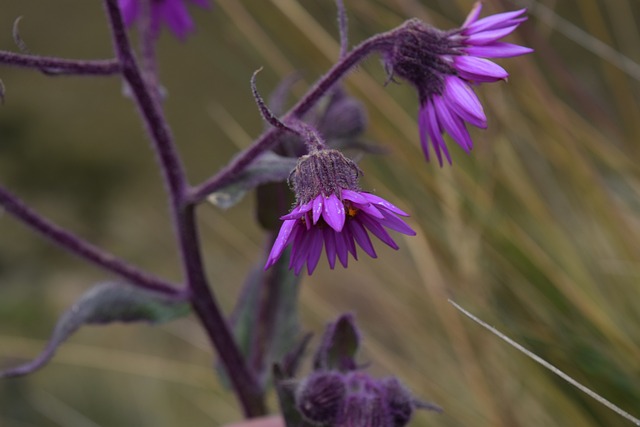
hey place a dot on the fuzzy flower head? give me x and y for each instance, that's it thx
(173, 13)
(347, 399)
(443, 65)
(331, 211)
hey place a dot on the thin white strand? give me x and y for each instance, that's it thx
(549, 366)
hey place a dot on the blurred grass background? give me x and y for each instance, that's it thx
(536, 232)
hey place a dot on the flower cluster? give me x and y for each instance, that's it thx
(444, 65)
(331, 209)
(354, 399)
(173, 13)
(339, 393)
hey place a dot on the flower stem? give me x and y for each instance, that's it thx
(83, 249)
(245, 383)
(203, 300)
(100, 67)
(271, 137)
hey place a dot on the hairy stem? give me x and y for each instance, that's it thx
(100, 67)
(204, 303)
(271, 137)
(83, 249)
(203, 300)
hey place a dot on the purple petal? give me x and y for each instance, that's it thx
(454, 126)
(369, 209)
(354, 196)
(378, 231)
(429, 121)
(361, 236)
(473, 14)
(487, 37)
(466, 102)
(330, 245)
(307, 220)
(299, 249)
(350, 244)
(436, 134)
(424, 129)
(341, 247)
(281, 242)
(175, 14)
(498, 50)
(297, 212)
(315, 249)
(479, 70)
(333, 213)
(318, 204)
(495, 22)
(385, 204)
(397, 224)
(129, 10)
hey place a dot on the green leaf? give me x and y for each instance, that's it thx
(267, 168)
(285, 389)
(105, 303)
(339, 345)
(265, 319)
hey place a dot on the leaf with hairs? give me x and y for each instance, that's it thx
(267, 168)
(105, 303)
(339, 345)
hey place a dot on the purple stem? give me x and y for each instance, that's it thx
(203, 301)
(271, 137)
(83, 249)
(343, 28)
(101, 67)
(149, 33)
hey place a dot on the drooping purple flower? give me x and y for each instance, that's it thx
(332, 212)
(443, 65)
(173, 13)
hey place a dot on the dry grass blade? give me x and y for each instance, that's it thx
(549, 366)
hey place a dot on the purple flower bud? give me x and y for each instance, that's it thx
(399, 401)
(444, 65)
(345, 117)
(354, 399)
(366, 402)
(320, 398)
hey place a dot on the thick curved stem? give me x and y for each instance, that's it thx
(202, 299)
(81, 248)
(56, 66)
(270, 138)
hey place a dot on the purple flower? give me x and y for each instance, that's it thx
(170, 12)
(443, 66)
(332, 212)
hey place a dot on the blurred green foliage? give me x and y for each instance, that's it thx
(537, 232)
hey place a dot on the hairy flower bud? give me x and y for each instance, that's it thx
(320, 398)
(399, 401)
(354, 399)
(344, 117)
(419, 57)
(323, 172)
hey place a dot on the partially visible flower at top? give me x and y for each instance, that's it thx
(443, 65)
(173, 13)
(331, 209)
